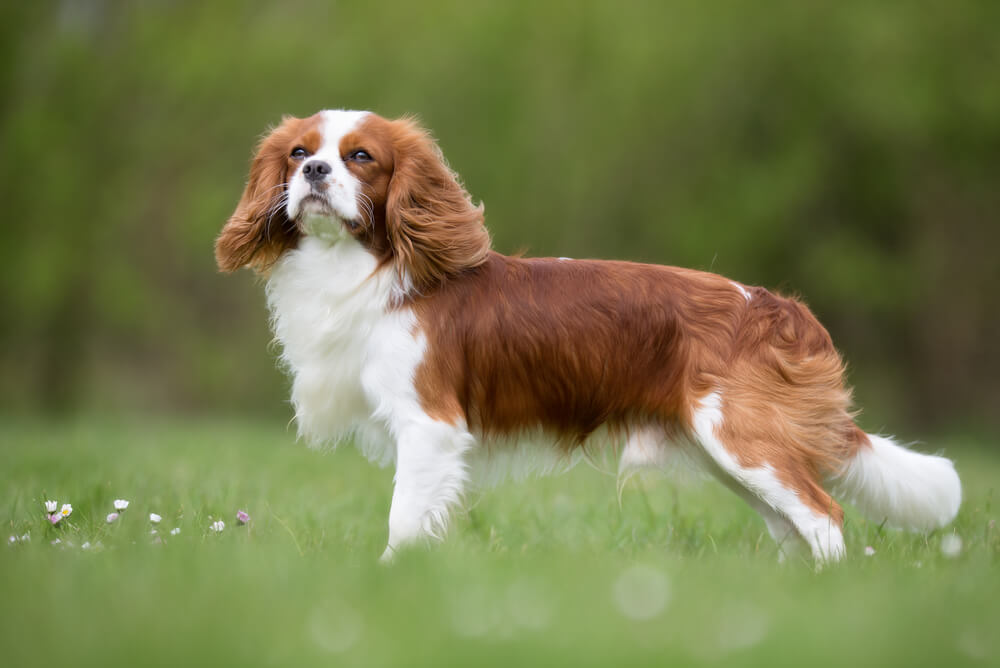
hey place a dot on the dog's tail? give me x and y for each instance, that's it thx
(907, 490)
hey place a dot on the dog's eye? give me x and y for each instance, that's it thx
(299, 153)
(360, 155)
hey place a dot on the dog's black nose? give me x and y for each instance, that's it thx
(316, 170)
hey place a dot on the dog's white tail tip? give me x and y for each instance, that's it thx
(906, 489)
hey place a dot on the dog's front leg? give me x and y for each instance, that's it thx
(430, 479)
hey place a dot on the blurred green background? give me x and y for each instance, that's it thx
(847, 152)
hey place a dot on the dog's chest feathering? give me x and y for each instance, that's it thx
(331, 313)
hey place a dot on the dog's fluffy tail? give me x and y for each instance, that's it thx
(907, 490)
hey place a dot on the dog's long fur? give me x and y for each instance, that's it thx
(401, 326)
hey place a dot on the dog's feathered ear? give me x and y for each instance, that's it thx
(259, 229)
(434, 230)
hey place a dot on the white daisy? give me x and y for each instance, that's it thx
(66, 510)
(50, 506)
(121, 504)
(217, 526)
(154, 518)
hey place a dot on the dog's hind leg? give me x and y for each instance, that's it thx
(802, 504)
(782, 531)
(430, 478)
(785, 536)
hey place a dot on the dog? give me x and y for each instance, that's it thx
(403, 330)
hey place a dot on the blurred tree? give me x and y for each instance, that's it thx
(843, 151)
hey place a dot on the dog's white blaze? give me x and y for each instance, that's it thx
(342, 188)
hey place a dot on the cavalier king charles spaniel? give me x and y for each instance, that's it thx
(404, 331)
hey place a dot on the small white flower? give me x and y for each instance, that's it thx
(57, 541)
(25, 538)
(66, 510)
(121, 504)
(869, 551)
(50, 506)
(951, 546)
(85, 546)
(217, 526)
(112, 517)
(154, 518)
(12, 539)
(175, 531)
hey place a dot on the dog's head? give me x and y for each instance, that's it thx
(342, 175)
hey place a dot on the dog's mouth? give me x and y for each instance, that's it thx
(315, 204)
(318, 218)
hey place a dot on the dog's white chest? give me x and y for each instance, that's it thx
(327, 303)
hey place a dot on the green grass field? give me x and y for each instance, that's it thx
(549, 571)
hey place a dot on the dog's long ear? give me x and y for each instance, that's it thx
(434, 231)
(259, 230)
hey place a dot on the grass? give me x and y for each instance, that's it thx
(549, 571)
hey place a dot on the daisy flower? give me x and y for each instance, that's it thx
(66, 510)
(112, 517)
(242, 517)
(154, 518)
(121, 504)
(217, 526)
(50, 506)
(175, 531)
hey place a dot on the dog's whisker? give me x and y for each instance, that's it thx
(368, 208)
(272, 211)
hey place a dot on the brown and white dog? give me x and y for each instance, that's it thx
(402, 329)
